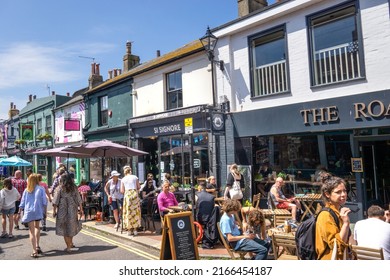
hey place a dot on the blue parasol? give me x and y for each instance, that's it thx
(14, 161)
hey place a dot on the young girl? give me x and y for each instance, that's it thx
(33, 204)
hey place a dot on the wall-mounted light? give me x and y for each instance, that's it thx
(133, 93)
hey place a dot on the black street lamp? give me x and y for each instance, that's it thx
(209, 42)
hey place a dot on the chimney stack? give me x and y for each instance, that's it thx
(35, 97)
(13, 111)
(129, 60)
(29, 98)
(67, 94)
(53, 93)
(246, 7)
(158, 53)
(95, 78)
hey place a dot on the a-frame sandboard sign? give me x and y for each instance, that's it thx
(178, 237)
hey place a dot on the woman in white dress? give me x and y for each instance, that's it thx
(131, 204)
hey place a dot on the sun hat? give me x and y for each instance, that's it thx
(115, 173)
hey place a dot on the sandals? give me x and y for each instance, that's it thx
(4, 234)
(34, 255)
(10, 235)
(39, 251)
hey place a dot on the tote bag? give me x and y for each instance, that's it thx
(235, 190)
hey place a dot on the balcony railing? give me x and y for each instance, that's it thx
(271, 78)
(337, 64)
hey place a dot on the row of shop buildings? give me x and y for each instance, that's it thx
(297, 83)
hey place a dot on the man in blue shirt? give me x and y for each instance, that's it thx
(241, 242)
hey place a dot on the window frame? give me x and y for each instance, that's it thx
(311, 50)
(103, 111)
(39, 127)
(48, 128)
(177, 91)
(255, 93)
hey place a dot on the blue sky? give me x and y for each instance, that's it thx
(42, 40)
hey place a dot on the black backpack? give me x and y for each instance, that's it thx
(305, 236)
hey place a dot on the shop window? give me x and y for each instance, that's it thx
(175, 157)
(268, 63)
(294, 155)
(174, 90)
(338, 153)
(335, 43)
(103, 110)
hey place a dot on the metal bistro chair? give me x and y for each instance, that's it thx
(228, 248)
(89, 205)
(148, 213)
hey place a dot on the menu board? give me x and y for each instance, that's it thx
(357, 164)
(179, 239)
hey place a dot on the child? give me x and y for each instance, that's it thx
(8, 196)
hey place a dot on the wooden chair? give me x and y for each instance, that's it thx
(229, 249)
(278, 215)
(366, 253)
(284, 246)
(280, 219)
(256, 200)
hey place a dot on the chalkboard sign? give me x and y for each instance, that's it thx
(179, 239)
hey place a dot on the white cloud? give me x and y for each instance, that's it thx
(30, 63)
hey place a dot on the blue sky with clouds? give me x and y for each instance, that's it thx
(42, 40)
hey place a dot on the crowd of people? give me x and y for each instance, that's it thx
(26, 201)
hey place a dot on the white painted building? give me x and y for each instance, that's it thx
(308, 85)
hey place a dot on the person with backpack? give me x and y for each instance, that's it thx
(327, 227)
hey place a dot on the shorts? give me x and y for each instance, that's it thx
(10, 211)
(115, 204)
(17, 203)
(283, 205)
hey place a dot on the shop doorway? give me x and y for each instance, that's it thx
(376, 172)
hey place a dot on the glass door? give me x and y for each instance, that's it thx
(376, 172)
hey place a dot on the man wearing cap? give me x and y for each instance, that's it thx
(115, 197)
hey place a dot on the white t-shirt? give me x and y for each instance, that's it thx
(375, 233)
(114, 189)
(130, 182)
(8, 198)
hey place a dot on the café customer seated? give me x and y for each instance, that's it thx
(281, 201)
(166, 199)
(237, 240)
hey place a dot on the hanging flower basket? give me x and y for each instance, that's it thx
(20, 141)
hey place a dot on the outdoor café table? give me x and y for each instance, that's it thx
(309, 201)
(180, 208)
